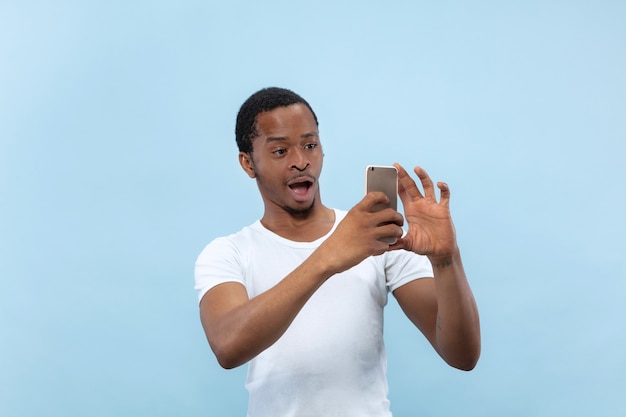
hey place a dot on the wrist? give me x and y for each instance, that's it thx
(325, 263)
(444, 260)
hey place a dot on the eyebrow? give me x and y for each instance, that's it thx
(284, 138)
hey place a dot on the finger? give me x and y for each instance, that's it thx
(389, 230)
(404, 195)
(445, 194)
(388, 216)
(386, 231)
(374, 198)
(427, 183)
(400, 244)
(407, 189)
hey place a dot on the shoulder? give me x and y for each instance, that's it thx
(227, 252)
(233, 242)
(224, 259)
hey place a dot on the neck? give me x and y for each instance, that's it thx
(300, 226)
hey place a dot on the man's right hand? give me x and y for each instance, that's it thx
(358, 235)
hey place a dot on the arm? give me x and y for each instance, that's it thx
(239, 328)
(444, 309)
(445, 312)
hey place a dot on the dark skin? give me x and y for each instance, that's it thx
(286, 162)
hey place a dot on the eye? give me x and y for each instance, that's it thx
(279, 152)
(310, 146)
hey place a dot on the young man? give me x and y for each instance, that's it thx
(300, 293)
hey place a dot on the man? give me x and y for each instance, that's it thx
(300, 293)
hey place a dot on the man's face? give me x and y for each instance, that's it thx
(286, 159)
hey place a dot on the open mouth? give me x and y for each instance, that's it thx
(301, 186)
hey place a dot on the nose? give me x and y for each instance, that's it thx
(300, 160)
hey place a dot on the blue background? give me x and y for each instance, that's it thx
(118, 164)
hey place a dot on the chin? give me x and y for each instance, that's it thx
(300, 211)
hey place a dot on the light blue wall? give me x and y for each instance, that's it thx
(118, 164)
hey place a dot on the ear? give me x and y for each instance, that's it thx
(246, 162)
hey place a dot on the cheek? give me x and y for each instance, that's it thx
(265, 179)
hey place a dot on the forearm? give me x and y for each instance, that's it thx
(239, 328)
(458, 324)
(247, 327)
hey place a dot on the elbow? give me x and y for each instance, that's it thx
(224, 360)
(225, 349)
(227, 363)
(469, 361)
(226, 357)
(466, 364)
(464, 359)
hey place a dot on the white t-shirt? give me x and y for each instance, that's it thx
(331, 360)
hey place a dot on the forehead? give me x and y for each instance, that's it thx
(295, 119)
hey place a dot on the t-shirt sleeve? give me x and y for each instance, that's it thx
(402, 267)
(219, 262)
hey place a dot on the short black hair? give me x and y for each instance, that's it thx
(263, 100)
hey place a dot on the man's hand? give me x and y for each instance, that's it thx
(444, 309)
(430, 228)
(359, 233)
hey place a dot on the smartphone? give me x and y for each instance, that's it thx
(385, 179)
